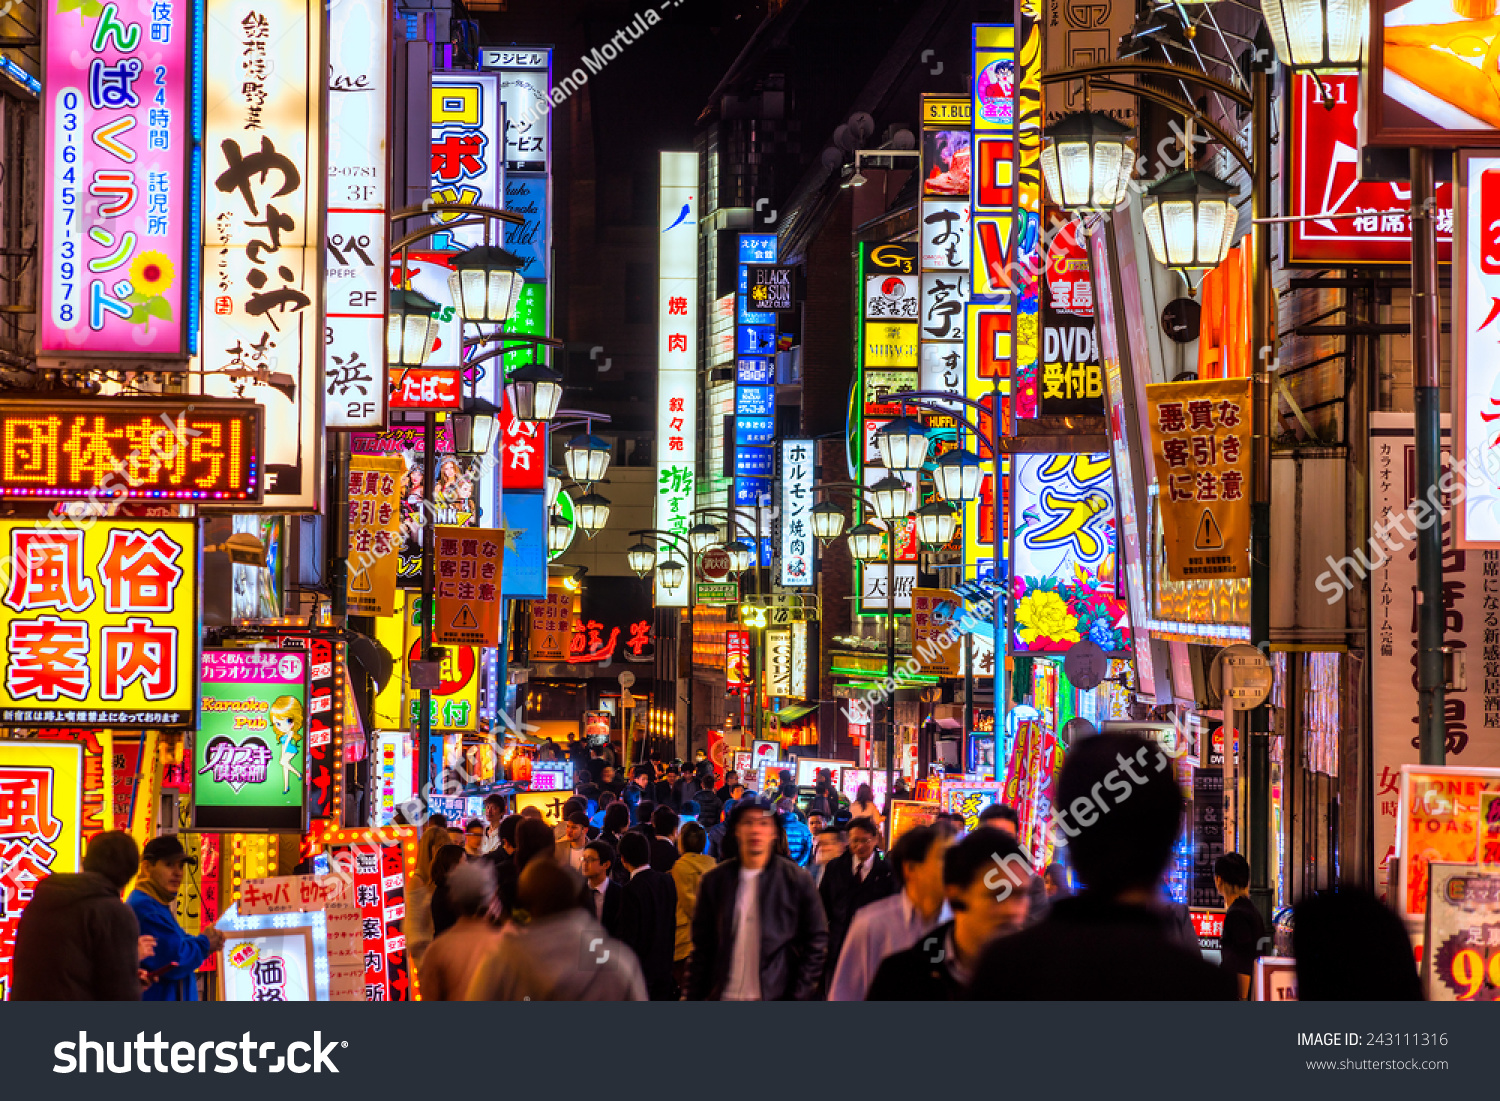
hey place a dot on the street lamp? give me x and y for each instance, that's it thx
(592, 511)
(553, 485)
(411, 329)
(1087, 161)
(486, 284)
(739, 556)
(672, 573)
(642, 558)
(903, 444)
(958, 475)
(892, 500)
(866, 542)
(1190, 220)
(587, 458)
(702, 536)
(559, 534)
(936, 523)
(828, 520)
(475, 428)
(535, 392)
(1316, 33)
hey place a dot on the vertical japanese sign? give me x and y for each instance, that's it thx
(380, 893)
(551, 626)
(1071, 381)
(332, 895)
(100, 626)
(250, 749)
(524, 531)
(1063, 588)
(41, 816)
(454, 703)
(1476, 377)
(677, 357)
(523, 451)
(1200, 436)
(468, 568)
(754, 403)
(375, 538)
(778, 661)
(359, 62)
(325, 720)
(262, 229)
(1025, 300)
(1471, 595)
(737, 654)
(117, 203)
(796, 513)
(468, 150)
(945, 248)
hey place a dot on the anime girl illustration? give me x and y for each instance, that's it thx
(287, 718)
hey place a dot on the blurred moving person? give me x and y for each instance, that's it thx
(985, 878)
(1350, 946)
(1120, 807)
(418, 925)
(451, 960)
(77, 941)
(851, 882)
(686, 874)
(560, 953)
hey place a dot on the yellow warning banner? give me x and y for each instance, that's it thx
(374, 533)
(1200, 448)
(467, 565)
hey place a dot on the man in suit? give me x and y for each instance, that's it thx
(851, 881)
(604, 894)
(648, 916)
(569, 851)
(663, 846)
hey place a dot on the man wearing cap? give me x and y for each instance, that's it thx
(177, 955)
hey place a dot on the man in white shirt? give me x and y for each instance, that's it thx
(895, 923)
(576, 835)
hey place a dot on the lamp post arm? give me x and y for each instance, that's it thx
(676, 541)
(937, 401)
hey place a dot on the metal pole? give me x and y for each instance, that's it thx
(1265, 331)
(429, 519)
(340, 526)
(1425, 334)
(968, 697)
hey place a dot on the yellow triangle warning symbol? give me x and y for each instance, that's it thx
(1208, 536)
(360, 582)
(464, 620)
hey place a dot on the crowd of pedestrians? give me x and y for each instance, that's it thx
(674, 886)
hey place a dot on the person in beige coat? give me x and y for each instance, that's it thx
(686, 873)
(452, 958)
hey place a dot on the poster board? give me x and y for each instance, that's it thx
(334, 896)
(907, 814)
(1438, 822)
(1462, 961)
(274, 957)
(1275, 980)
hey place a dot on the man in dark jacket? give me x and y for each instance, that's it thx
(976, 872)
(664, 852)
(77, 941)
(759, 932)
(1119, 805)
(851, 881)
(648, 917)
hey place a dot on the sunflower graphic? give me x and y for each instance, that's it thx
(151, 274)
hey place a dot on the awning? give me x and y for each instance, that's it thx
(795, 712)
(948, 724)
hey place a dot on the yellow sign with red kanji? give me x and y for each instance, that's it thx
(374, 532)
(468, 565)
(99, 623)
(41, 828)
(551, 626)
(1200, 448)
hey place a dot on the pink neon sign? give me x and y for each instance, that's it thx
(116, 191)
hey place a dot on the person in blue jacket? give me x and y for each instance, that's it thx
(177, 955)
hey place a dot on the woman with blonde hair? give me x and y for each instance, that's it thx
(419, 888)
